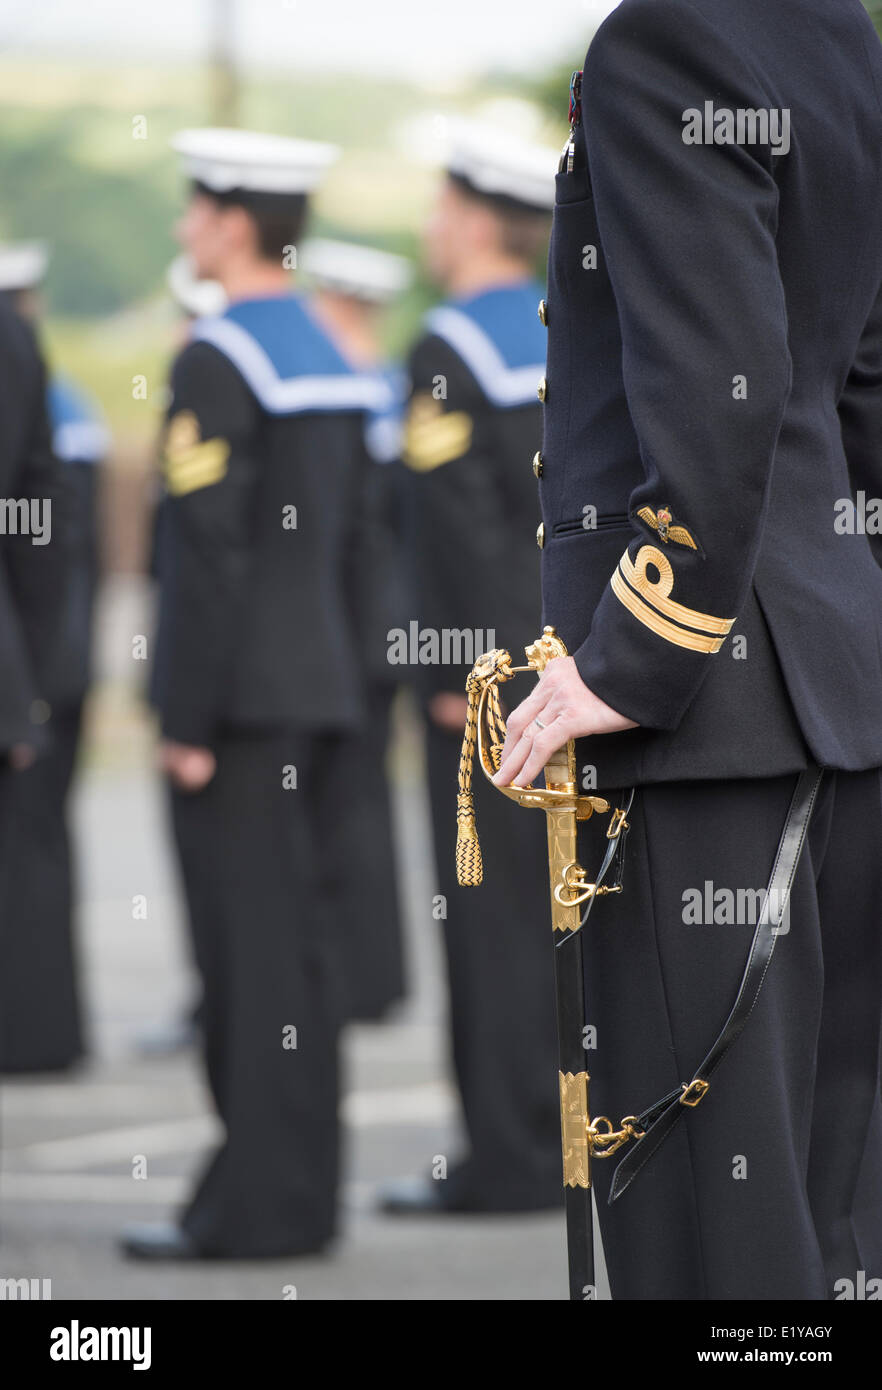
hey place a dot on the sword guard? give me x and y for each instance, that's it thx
(485, 734)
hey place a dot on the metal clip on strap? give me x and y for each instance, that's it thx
(658, 1121)
(616, 836)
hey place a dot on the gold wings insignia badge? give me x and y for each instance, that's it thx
(661, 521)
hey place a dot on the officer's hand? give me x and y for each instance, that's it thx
(568, 709)
(448, 710)
(190, 768)
(21, 755)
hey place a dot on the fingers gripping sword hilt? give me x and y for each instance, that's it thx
(485, 734)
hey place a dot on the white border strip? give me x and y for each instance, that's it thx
(80, 441)
(348, 391)
(504, 385)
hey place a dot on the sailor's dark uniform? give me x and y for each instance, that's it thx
(256, 658)
(370, 928)
(713, 401)
(39, 996)
(32, 585)
(473, 425)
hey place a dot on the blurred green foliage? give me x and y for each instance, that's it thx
(95, 177)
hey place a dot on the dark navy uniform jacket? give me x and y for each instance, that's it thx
(714, 390)
(265, 467)
(473, 425)
(384, 601)
(80, 441)
(32, 577)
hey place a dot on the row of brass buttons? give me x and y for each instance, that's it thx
(538, 463)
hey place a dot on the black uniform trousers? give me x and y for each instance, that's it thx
(498, 944)
(262, 927)
(40, 1010)
(368, 929)
(771, 1188)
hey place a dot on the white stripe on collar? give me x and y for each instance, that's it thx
(80, 441)
(504, 385)
(286, 396)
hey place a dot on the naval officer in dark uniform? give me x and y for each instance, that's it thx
(352, 286)
(472, 429)
(255, 681)
(714, 394)
(40, 1004)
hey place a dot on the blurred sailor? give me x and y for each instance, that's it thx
(195, 298)
(40, 1007)
(255, 680)
(352, 286)
(473, 425)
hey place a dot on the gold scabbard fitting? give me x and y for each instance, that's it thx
(617, 825)
(693, 1093)
(574, 1128)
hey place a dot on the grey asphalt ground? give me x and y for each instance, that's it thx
(69, 1142)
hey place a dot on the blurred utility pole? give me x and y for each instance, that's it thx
(224, 93)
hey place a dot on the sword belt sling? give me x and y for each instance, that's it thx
(582, 1137)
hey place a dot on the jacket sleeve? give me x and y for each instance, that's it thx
(688, 235)
(455, 530)
(208, 461)
(860, 417)
(38, 568)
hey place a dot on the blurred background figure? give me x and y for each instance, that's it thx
(256, 679)
(194, 298)
(352, 286)
(473, 427)
(40, 1008)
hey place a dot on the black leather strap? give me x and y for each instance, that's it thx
(659, 1119)
(615, 853)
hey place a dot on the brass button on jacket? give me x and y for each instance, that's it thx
(543, 313)
(542, 389)
(538, 464)
(540, 535)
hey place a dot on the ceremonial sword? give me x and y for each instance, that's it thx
(564, 807)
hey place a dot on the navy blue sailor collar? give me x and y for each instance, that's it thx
(287, 358)
(498, 335)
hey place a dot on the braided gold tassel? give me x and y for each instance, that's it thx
(469, 868)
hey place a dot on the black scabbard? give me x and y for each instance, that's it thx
(570, 995)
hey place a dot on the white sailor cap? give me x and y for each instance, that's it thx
(22, 264)
(200, 298)
(493, 161)
(224, 160)
(362, 271)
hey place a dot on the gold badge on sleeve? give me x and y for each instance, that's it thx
(433, 436)
(189, 462)
(662, 521)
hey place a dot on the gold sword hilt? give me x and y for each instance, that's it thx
(564, 807)
(582, 1138)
